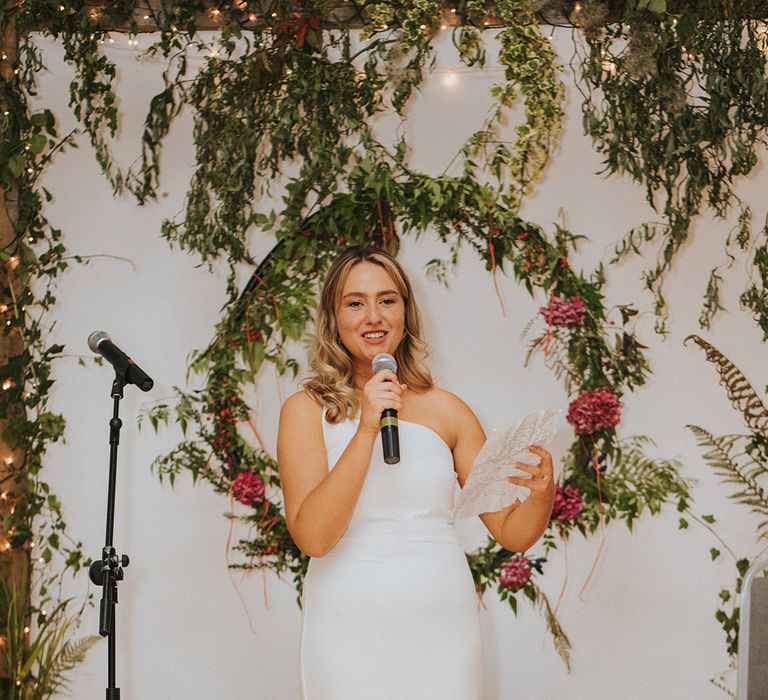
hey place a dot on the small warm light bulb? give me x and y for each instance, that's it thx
(252, 18)
(450, 78)
(7, 384)
(13, 262)
(26, 630)
(146, 16)
(3, 308)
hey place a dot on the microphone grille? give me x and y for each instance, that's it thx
(384, 361)
(95, 338)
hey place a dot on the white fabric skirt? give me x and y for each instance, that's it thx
(388, 618)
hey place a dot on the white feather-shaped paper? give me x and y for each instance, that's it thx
(486, 489)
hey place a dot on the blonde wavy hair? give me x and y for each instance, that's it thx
(332, 382)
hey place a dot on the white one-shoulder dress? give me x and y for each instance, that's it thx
(391, 611)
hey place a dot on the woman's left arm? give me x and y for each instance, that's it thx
(520, 525)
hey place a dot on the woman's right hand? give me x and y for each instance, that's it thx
(382, 391)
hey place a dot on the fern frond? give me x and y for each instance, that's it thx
(559, 638)
(71, 655)
(740, 392)
(734, 465)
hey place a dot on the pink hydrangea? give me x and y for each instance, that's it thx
(515, 573)
(594, 410)
(564, 312)
(568, 504)
(248, 488)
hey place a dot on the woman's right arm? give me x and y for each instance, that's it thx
(320, 503)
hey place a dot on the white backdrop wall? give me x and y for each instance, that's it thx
(187, 627)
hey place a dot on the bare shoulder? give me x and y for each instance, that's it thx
(300, 407)
(453, 415)
(448, 404)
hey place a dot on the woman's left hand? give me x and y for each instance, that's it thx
(542, 481)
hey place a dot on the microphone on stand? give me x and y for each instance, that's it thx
(126, 368)
(390, 438)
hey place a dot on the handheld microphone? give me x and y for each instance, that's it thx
(390, 438)
(126, 368)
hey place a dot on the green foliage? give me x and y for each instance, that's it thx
(35, 663)
(740, 461)
(676, 98)
(737, 461)
(755, 297)
(290, 90)
(485, 565)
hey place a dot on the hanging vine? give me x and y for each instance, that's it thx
(676, 96)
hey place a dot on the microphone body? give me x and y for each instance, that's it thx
(126, 368)
(390, 436)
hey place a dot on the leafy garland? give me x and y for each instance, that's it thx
(380, 189)
(35, 551)
(699, 69)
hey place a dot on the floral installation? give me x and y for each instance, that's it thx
(564, 312)
(242, 139)
(568, 504)
(248, 488)
(592, 411)
(515, 572)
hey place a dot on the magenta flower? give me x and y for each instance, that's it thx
(594, 410)
(515, 573)
(563, 312)
(248, 488)
(568, 504)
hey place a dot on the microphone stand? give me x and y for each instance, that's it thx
(108, 570)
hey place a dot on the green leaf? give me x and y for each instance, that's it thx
(16, 164)
(37, 143)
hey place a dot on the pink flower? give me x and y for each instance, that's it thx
(562, 312)
(248, 488)
(594, 410)
(515, 573)
(568, 504)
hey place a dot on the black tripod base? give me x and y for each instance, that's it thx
(113, 693)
